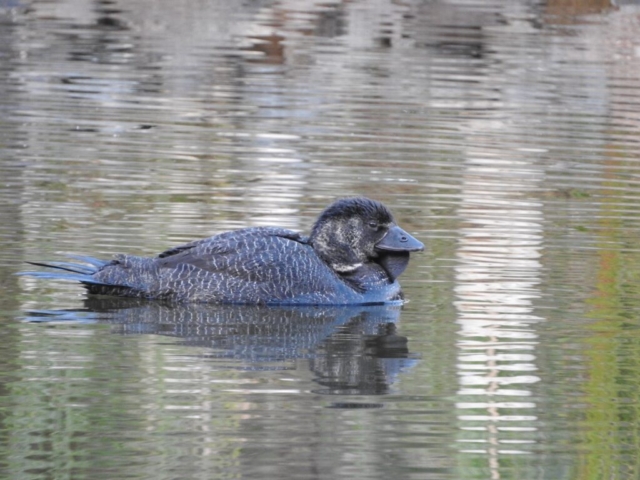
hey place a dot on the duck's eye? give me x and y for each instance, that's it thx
(373, 225)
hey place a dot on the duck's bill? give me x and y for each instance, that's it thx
(397, 240)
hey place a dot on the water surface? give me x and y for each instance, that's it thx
(503, 135)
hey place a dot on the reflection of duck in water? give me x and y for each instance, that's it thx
(353, 256)
(349, 349)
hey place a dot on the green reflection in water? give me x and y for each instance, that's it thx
(612, 392)
(78, 411)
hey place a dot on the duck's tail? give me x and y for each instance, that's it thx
(75, 272)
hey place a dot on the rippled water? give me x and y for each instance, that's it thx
(505, 135)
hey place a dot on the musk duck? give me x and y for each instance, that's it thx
(353, 256)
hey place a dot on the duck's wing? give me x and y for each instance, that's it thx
(233, 249)
(224, 241)
(254, 265)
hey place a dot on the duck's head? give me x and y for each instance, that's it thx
(352, 232)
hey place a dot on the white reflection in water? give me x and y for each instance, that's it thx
(275, 194)
(497, 277)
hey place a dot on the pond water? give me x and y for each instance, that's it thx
(504, 135)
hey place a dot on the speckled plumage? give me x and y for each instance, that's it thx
(345, 261)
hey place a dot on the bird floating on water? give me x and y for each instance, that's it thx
(353, 256)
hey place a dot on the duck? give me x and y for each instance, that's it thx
(353, 256)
